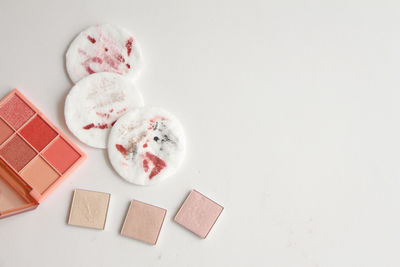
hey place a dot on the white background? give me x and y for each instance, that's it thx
(291, 110)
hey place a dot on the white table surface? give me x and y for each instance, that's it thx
(291, 110)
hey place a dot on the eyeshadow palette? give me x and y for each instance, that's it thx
(35, 156)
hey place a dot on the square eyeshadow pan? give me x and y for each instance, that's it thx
(16, 112)
(89, 209)
(17, 153)
(61, 155)
(38, 133)
(198, 214)
(143, 222)
(39, 174)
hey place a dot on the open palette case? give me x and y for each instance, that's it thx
(35, 156)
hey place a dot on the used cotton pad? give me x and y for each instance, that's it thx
(146, 145)
(96, 102)
(103, 48)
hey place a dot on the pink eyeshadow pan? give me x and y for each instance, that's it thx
(16, 112)
(198, 214)
(5, 131)
(17, 153)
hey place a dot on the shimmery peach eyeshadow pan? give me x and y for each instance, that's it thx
(35, 156)
(198, 214)
(143, 222)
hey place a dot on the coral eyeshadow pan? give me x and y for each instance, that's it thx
(38, 133)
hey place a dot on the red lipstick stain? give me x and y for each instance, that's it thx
(121, 149)
(99, 126)
(89, 70)
(89, 126)
(158, 163)
(128, 46)
(91, 39)
(144, 145)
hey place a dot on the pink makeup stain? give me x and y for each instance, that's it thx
(80, 51)
(145, 165)
(108, 55)
(103, 115)
(121, 111)
(158, 164)
(112, 64)
(88, 62)
(157, 118)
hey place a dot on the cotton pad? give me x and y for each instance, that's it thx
(96, 102)
(146, 145)
(103, 48)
